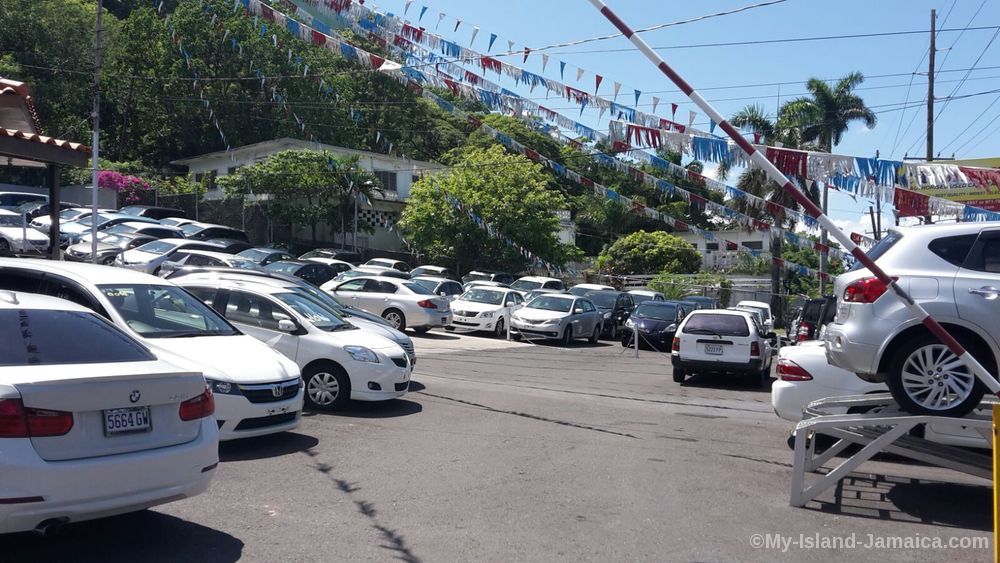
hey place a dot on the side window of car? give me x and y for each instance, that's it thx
(254, 310)
(65, 289)
(954, 250)
(386, 287)
(205, 294)
(985, 254)
(15, 280)
(453, 288)
(353, 285)
(322, 274)
(587, 306)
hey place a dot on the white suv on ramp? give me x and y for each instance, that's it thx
(953, 272)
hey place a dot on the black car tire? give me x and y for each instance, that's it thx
(500, 330)
(596, 336)
(422, 329)
(567, 337)
(679, 375)
(626, 340)
(322, 377)
(907, 357)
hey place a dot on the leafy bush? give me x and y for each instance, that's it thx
(648, 253)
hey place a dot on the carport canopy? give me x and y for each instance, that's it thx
(23, 144)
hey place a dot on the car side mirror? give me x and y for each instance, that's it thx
(286, 325)
(578, 311)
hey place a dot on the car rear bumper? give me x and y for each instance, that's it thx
(709, 365)
(86, 489)
(844, 351)
(430, 318)
(239, 418)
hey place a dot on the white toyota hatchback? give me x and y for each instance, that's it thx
(722, 341)
(92, 424)
(256, 390)
(339, 361)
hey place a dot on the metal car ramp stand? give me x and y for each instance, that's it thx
(883, 428)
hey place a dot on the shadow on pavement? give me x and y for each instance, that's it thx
(375, 409)
(433, 336)
(904, 499)
(262, 447)
(139, 536)
(416, 386)
(725, 381)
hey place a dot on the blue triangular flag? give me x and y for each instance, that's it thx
(493, 37)
(711, 126)
(637, 94)
(423, 9)
(562, 70)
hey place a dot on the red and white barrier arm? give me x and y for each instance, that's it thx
(811, 208)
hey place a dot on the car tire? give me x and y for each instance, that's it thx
(921, 361)
(500, 330)
(626, 340)
(422, 329)
(679, 375)
(595, 337)
(567, 337)
(395, 318)
(327, 387)
(762, 377)
(4, 247)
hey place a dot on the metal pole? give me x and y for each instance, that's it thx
(96, 141)
(811, 208)
(824, 239)
(930, 99)
(354, 238)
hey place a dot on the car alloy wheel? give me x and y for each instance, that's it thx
(935, 378)
(395, 319)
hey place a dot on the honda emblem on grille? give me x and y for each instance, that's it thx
(134, 396)
(277, 390)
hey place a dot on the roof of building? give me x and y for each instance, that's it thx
(22, 130)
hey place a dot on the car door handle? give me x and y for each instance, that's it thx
(987, 292)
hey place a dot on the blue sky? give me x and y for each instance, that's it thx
(733, 76)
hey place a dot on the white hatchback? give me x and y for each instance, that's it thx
(722, 341)
(92, 424)
(339, 362)
(257, 391)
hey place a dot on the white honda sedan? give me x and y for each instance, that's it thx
(258, 391)
(486, 309)
(339, 361)
(92, 424)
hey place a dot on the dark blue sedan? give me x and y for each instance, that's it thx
(655, 323)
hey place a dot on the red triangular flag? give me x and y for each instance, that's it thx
(673, 110)
(597, 78)
(527, 52)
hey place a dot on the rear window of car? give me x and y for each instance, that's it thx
(880, 248)
(48, 337)
(723, 325)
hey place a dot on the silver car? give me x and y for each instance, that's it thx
(402, 303)
(149, 257)
(953, 271)
(449, 289)
(559, 316)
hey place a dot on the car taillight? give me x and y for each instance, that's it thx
(676, 346)
(865, 290)
(803, 333)
(788, 370)
(427, 304)
(755, 349)
(198, 407)
(16, 421)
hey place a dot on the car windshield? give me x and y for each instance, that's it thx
(551, 303)
(242, 263)
(880, 248)
(11, 221)
(476, 276)
(418, 289)
(157, 247)
(656, 312)
(426, 284)
(39, 337)
(165, 311)
(256, 253)
(488, 296)
(321, 316)
(603, 299)
(70, 213)
(752, 311)
(761, 310)
(283, 267)
(525, 284)
(721, 325)
(101, 219)
(321, 296)
(192, 228)
(122, 228)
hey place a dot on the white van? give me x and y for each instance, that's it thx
(722, 341)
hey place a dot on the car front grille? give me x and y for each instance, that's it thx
(265, 393)
(401, 362)
(265, 421)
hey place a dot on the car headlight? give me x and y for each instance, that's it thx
(223, 387)
(607, 315)
(486, 315)
(362, 354)
(670, 328)
(630, 323)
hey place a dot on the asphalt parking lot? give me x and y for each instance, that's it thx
(508, 451)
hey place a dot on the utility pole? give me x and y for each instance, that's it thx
(96, 140)
(930, 97)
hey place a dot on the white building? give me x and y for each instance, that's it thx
(714, 255)
(395, 174)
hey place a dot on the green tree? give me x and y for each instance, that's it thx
(508, 191)
(648, 253)
(675, 287)
(825, 115)
(303, 187)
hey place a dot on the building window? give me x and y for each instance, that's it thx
(388, 180)
(711, 246)
(754, 245)
(232, 169)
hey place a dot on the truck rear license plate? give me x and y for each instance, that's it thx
(714, 349)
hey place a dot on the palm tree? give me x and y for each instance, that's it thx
(826, 114)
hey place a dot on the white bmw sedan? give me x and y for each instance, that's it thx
(93, 425)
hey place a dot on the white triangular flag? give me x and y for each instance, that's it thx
(655, 102)
(440, 17)
(545, 61)
(579, 74)
(618, 87)
(691, 116)
(475, 32)
(510, 46)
